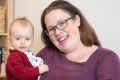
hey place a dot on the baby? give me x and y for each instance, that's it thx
(22, 64)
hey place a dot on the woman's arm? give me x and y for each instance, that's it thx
(109, 67)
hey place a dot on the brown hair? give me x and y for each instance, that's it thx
(87, 33)
(22, 21)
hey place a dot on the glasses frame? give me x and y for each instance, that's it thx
(56, 27)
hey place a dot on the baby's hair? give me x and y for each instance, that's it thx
(23, 21)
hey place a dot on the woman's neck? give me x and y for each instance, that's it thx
(82, 54)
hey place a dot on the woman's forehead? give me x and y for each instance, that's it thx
(56, 15)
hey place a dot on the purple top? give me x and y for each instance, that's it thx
(103, 64)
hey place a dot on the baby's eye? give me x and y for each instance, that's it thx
(27, 38)
(17, 38)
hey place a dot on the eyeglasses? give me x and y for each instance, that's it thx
(60, 26)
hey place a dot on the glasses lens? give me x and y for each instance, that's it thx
(61, 25)
(49, 32)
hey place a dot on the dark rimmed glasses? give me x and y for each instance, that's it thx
(60, 26)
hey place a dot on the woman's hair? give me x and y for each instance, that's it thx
(87, 33)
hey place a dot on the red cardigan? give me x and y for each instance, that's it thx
(18, 67)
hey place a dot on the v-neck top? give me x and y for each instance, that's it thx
(103, 64)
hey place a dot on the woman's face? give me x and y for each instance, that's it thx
(67, 37)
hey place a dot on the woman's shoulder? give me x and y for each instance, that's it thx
(46, 51)
(47, 54)
(105, 53)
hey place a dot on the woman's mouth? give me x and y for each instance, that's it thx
(62, 39)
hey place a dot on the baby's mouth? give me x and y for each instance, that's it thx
(22, 47)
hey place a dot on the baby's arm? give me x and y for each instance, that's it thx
(16, 67)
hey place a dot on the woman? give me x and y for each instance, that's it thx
(73, 51)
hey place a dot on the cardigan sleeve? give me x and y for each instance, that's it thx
(109, 67)
(16, 66)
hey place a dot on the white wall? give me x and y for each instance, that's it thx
(103, 15)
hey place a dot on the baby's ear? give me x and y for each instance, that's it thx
(9, 38)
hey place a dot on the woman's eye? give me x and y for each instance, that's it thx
(61, 23)
(51, 29)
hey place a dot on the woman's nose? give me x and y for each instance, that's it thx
(57, 31)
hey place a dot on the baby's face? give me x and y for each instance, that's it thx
(21, 37)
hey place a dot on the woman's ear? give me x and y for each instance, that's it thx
(77, 20)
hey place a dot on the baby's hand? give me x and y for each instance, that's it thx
(43, 68)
